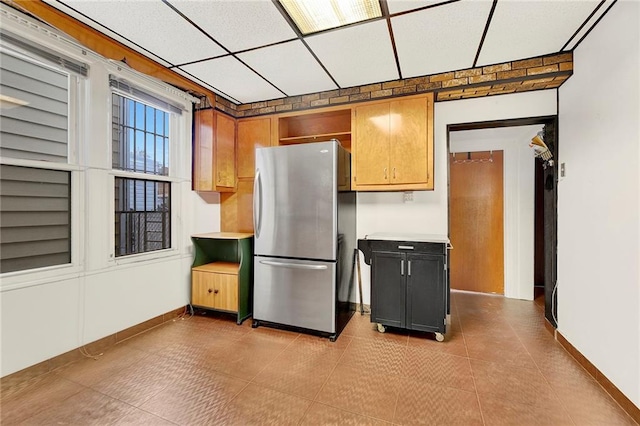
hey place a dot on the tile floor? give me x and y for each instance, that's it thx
(498, 365)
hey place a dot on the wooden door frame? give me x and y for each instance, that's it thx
(550, 199)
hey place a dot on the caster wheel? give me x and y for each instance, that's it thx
(440, 337)
(255, 324)
(333, 338)
(381, 328)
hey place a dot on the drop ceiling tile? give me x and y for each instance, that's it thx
(396, 6)
(601, 11)
(238, 24)
(142, 21)
(230, 76)
(523, 29)
(360, 54)
(205, 85)
(290, 67)
(440, 39)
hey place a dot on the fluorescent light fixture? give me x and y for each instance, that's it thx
(312, 16)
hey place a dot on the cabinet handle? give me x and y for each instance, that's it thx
(209, 291)
(385, 173)
(215, 291)
(408, 268)
(394, 172)
(405, 247)
(402, 267)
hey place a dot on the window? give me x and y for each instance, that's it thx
(143, 216)
(35, 180)
(142, 202)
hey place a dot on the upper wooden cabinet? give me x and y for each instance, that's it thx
(214, 152)
(392, 148)
(252, 133)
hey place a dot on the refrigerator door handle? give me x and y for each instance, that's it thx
(257, 204)
(293, 265)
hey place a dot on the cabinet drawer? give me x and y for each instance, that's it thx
(408, 246)
(214, 290)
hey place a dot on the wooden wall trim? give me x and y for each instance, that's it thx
(625, 403)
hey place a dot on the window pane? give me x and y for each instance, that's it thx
(138, 142)
(160, 122)
(139, 114)
(35, 218)
(143, 216)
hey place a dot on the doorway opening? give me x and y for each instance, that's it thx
(529, 205)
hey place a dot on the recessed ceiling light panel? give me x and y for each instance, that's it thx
(311, 16)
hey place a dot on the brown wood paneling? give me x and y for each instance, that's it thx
(229, 212)
(236, 209)
(252, 134)
(245, 205)
(477, 222)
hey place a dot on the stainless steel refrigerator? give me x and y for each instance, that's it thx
(304, 216)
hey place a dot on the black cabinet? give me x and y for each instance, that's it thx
(409, 287)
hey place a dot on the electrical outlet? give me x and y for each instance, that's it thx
(407, 197)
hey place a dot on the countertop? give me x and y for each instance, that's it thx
(424, 238)
(224, 235)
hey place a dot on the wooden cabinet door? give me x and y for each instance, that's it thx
(203, 151)
(202, 287)
(252, 134)
(225, 292)
(225, 151)
(371, 153)
(408, 152)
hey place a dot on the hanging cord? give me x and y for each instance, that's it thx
(553, 303)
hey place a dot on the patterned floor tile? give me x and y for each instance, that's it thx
(259, 405)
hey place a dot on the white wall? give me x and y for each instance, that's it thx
(52, 311)
(519, 198)
(599, 200)
(428, 213)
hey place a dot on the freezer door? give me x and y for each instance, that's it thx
(295, 292)
(295, 199)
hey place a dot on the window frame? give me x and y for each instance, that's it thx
(171, 178)
(76, 91)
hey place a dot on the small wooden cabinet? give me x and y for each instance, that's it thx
(409, 285)
(222, 273)
(214, 151)
(215, 285)
(393, 145)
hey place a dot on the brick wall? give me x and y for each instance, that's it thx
(544, 72)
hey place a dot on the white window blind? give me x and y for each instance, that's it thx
(34, 113)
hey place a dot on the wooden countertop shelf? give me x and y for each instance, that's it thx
(219, 267)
